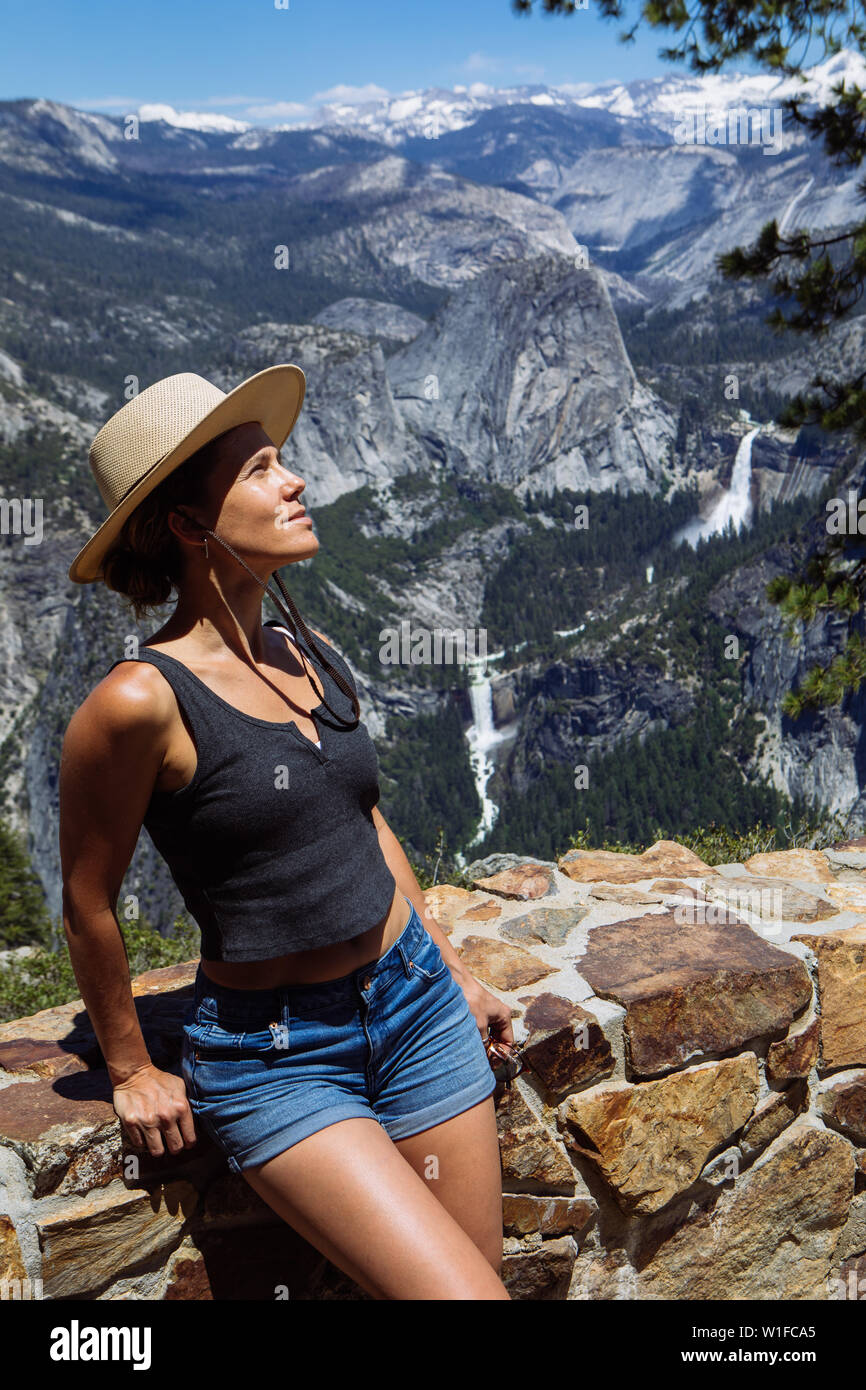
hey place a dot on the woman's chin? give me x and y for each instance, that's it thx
(299, 548)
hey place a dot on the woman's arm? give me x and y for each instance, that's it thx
(491, 1014)
(112, 751)
(395, 858)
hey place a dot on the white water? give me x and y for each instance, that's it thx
(482, 736)
(786, 215)
(735, 503)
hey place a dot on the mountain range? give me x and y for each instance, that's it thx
(506, 305)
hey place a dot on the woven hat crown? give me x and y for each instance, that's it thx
(145, 429)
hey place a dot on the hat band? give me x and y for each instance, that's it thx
(140, 479)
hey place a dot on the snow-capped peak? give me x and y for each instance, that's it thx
(191, 120)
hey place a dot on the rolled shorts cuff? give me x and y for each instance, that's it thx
(398, 1127)
(402, 1126)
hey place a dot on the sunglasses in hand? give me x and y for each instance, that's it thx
(506, 1059)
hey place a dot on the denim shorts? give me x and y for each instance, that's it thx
(394, 1040)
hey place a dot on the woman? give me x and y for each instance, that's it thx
(335, 1051)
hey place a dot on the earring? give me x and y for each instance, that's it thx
(205, 548)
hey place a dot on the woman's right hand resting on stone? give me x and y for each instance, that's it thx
(152, 1105)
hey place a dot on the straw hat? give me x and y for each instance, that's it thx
(161, 427)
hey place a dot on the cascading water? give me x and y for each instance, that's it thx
(482, 736)
(735, 503)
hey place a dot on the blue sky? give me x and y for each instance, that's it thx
(248, 59)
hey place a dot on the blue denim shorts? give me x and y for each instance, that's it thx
(394, 1040)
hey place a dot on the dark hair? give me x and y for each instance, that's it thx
(146, 560)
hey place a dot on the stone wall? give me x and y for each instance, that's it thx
(690, 1124)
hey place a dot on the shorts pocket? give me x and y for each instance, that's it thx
(428, 961)
(212, 1038)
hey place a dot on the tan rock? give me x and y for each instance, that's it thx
(806, 864)
(11, 1261)
(523, 881)
(167, 980)
(651, 1140)
(541, 1275)
(550, 1216)
(678, 886)
(606, 866)
(625, 895)
(794, 1055)
(848, 897)
(691, 988)
(770, 1236)
(842, 993)
(88, 1242)
(484, 911)
(771, 898)
(772, 1114)
(447, 903)
(529, 1150)
(502, 966)
(565, 1045)
(49, 1126)
(68, 1023)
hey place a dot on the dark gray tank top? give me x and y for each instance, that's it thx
(272, 843)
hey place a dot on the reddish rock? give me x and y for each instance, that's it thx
(795, 1055)
(188, 1278)
(692, 989)
(523, 881)
(529, 1150)
(48, 1058)
(842, 1106)
(565, 1046)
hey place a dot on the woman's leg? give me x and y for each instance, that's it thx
(349, 1192)
(460, 1162)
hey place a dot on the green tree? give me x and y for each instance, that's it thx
(817, 280)
(24, 919)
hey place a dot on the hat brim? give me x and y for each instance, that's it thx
(272, 397)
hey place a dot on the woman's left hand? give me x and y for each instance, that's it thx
(491, 1015)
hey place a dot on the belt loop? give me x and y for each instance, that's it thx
(404, 956)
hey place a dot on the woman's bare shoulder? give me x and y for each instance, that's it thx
(133, 695)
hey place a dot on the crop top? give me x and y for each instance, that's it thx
(272, 842)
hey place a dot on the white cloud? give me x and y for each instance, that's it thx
(351, 96)
(279, 110)
(107, 104)
(477, 62)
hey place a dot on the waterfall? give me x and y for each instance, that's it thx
(786, 215)
(482, 736)
(735, 503)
